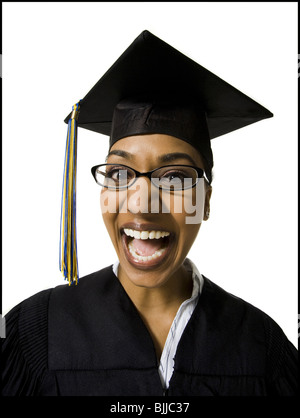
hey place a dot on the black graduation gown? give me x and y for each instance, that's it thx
(90, 340)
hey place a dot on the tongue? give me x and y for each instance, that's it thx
(146, 247)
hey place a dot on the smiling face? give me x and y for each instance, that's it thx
(151, 247)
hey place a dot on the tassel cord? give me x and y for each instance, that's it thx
(68, 258)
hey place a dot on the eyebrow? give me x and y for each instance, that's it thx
(176, 156)
(119, 153)
(165, 158)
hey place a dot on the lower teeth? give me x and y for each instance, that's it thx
(157, 254)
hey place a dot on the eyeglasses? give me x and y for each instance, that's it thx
(169, 177)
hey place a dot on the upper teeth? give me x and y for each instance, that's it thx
(145, 234)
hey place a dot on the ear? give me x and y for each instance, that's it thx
(207, 202)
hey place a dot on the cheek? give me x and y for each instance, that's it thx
(189, 218)
(187, 232)
(109, 204)
(112, 202)
(186, 206)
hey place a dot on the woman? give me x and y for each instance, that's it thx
(151, 324)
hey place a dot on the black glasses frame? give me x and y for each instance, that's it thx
(148, 174)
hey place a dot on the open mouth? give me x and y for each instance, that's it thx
(146, 248)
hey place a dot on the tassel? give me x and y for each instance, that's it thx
(68, 258)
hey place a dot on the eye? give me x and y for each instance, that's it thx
(174, 177)
(119, 174)
(116, 174)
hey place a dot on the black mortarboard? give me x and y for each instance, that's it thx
(152, 88)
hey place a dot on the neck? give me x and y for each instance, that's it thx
(158, 305)
(168, 296)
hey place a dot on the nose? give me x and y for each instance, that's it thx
(140, 196)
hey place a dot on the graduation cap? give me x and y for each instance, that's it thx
(151, 88)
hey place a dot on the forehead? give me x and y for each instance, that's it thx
(155, 147)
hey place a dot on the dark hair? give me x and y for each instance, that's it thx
(208, 166)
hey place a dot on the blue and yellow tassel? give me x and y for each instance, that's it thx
(68, 257)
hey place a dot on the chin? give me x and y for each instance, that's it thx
(150, 277)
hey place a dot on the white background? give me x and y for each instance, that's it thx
(53, 53)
